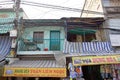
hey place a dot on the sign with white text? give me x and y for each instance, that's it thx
(96, 60)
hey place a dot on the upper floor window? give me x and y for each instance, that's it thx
(38, 37)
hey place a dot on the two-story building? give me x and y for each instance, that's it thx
(47, 47)
(39, 41)
(110, 10)
(7, 38)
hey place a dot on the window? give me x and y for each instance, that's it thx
(38, 37)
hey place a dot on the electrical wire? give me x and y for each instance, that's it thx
(58, 7)
(55, 7)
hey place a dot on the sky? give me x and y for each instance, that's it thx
(35, 12)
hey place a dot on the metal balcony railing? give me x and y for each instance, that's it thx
(40, 45)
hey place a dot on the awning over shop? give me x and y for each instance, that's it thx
(5, 45)
(35, 68)
(95, 60)
(87, 48)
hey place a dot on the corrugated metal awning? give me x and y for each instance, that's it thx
(35, 64)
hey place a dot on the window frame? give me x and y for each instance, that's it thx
(40, 35)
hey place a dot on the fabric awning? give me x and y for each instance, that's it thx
(87, 48)
(5, 46)
(35, 68)
(80, 31)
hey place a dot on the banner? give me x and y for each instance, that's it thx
(34, 72)
(95, 60)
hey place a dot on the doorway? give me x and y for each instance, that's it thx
(91, 72)
(55, 40)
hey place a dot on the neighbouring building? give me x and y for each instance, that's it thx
(86, 47)
(92, 8)
(107, 63)
(112, 11)
(7, 39)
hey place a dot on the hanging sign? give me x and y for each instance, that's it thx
(96, 60)
(35, 72)
(13, 33)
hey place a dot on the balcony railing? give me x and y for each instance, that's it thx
(41, 45)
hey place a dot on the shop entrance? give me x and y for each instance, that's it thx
(91, 72)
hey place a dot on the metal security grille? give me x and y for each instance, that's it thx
(38, 37)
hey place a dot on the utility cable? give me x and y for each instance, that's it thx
(58, 7)
(55, 7)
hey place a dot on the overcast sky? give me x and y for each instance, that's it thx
(35, 12)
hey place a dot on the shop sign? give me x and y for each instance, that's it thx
(96, 60)
(35, 72)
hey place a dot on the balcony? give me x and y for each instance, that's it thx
(46, 46)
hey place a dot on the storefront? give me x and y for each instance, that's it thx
(35, 70)
(2, 63)
(97, 67)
